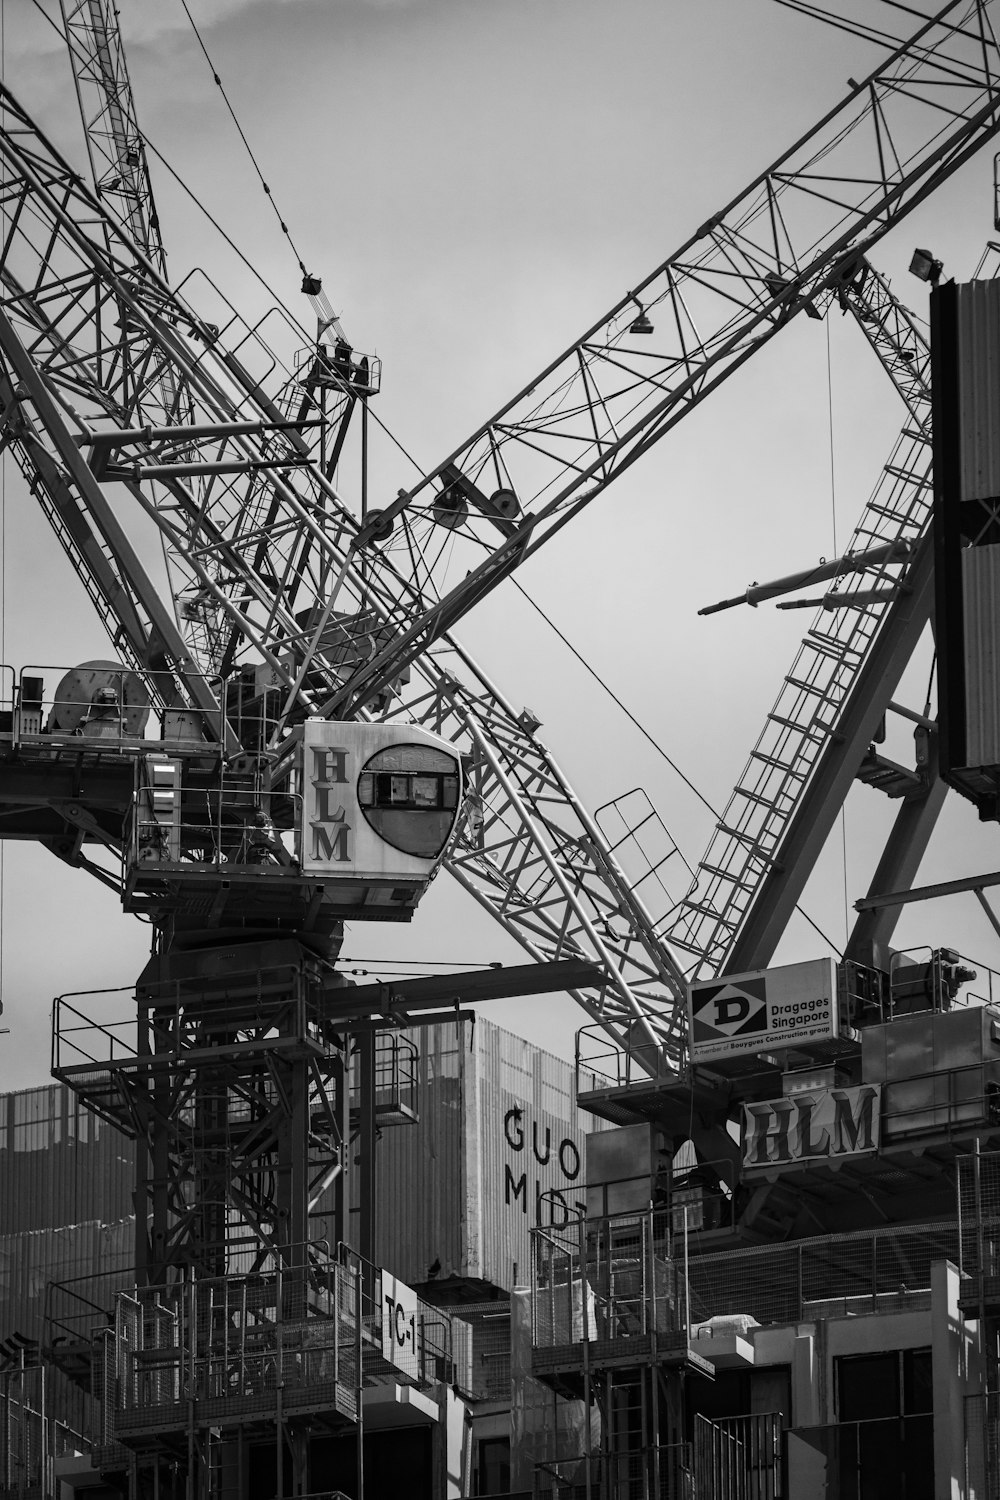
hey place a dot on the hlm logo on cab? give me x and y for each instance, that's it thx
(729, 1009)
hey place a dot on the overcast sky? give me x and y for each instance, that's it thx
(477, 181)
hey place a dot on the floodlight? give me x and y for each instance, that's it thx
(925, 267)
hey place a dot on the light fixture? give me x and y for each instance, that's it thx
(641, 324)
(925, 268)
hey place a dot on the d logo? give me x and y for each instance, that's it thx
(728, 1009)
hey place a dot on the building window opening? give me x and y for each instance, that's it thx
(886, 1432)
(493, 1466)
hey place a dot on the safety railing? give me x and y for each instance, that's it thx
(739, 1458)
(979, 1226)
(941, 1099)
(885, 1270)
(229, 1343)
(232, 823)
(8, 701)
(222, 1347)
(665, 1472)
(884, 1456)
(99, 1029)
(396, 1064)
(79, 1307)
(487, 1373)
(335, 364)
(642, 844)
(602, 1065)
(103, 706)
(615, 1278)
(103, 1036)
(982, 1446)
(602, 1279)
(32, 1437)
(919, 980)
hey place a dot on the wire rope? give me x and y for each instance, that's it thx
(3, 535)
(836, 553)
(242, 135)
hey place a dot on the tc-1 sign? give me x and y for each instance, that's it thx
(762, 1010)
(814, 1125)
(400, 1318)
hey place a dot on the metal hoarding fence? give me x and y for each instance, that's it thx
(498, 1147)
(59, 1164)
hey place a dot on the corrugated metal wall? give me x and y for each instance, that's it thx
(499, 1129)
(59, 1164)
(421, 1169)
(979, 383)
(65, 1201)
(96, 1257)
(981, 621)
(531, 1137)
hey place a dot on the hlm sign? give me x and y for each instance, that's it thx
(816, 1125)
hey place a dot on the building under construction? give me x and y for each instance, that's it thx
(280, 1229)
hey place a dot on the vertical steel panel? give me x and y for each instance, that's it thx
(59, 1164)
(981, 621)
(979, 386)
(420, 1170)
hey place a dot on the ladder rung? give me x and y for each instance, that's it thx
(807, 687)
(749, 796)
(907, 475)
(728, 875)
(836, 648)
(709, 911)
(743, 838)
(770, 760)
(891, 512)
(827, 645)
(806, 730)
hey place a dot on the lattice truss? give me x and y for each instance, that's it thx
(113, 385)
(115, 144)
(796, 233)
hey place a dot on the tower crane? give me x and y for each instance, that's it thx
(288, 609)
(296, 638)
(790, 243)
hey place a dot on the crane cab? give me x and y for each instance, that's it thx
(352, 823)
(379, 804)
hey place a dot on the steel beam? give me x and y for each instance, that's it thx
(778, 893)
(928, 892)
(900, 861)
